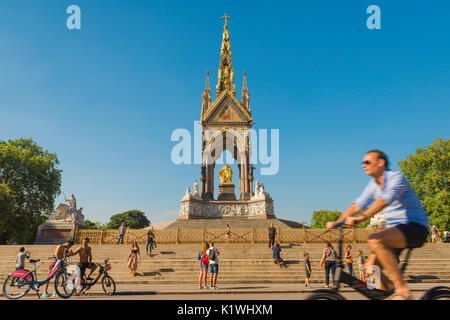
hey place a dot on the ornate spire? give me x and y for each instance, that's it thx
(226, 74)
(245, 95)
(206, 95)
(207, 88)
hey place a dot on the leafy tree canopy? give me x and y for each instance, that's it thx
(29, 183)
(428, 171)
(134, 219)
(321, 217)
(92, 225)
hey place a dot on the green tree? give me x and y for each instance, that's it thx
(93, 225)
(428, 172)
(134, 219)
(321, 217)
(29, 184)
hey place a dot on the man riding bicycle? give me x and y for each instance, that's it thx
(406, 220)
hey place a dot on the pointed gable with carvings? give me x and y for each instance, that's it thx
(226, 110)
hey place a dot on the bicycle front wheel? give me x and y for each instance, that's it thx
(14, 287)
(440, 295)
(109, 286)
(62, 286)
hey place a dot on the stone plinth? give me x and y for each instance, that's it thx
(61, 225)
(53, 232)
(226, 192)
(215, 209)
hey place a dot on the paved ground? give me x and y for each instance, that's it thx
(225, 292)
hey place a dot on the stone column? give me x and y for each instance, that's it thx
(246, 186)
(212, 180)
(202, 177)
(241, 180)
(207, 179)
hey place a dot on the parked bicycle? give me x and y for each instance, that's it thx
(108, 284)
(19, 282)
(370, 292)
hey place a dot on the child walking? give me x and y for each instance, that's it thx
(361, 261)
(307, 269)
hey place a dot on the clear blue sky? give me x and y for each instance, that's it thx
(106, 98)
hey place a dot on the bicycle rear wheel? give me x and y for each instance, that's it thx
(13, 287)
(325, 295)
(62, 287)
(109, 286)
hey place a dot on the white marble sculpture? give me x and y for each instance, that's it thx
(187, 195)
(68, 213)
(195, 190)
(378, 221)
(260, 193)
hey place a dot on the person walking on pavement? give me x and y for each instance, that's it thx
(361, 261)
(271, 233)
(133, 258)
(204, 262)
(349, 259)
(307, 269)
(329, 257)
(154, 239)
(228, 234)
(122, 230)
(212, 254)
(150, 239)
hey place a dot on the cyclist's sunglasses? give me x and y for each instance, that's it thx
(367, 162)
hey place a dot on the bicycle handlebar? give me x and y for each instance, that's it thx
(339, 225)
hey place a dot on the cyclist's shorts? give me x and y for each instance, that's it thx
(415, 234)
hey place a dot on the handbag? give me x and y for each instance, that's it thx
(323, 264)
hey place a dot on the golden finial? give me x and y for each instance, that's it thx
(225, 18)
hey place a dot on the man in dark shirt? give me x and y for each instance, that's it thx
(271, 232)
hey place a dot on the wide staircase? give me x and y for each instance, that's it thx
(238, 263)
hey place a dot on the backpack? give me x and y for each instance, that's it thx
(212, 254)
(204, 259)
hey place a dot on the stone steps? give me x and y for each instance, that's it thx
(238, 263)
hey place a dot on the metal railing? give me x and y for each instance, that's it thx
(249, 235)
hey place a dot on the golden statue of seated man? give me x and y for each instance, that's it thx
(226, 174)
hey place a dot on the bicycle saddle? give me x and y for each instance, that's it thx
(34, 261)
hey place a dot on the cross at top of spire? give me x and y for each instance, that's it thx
(226, 18)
